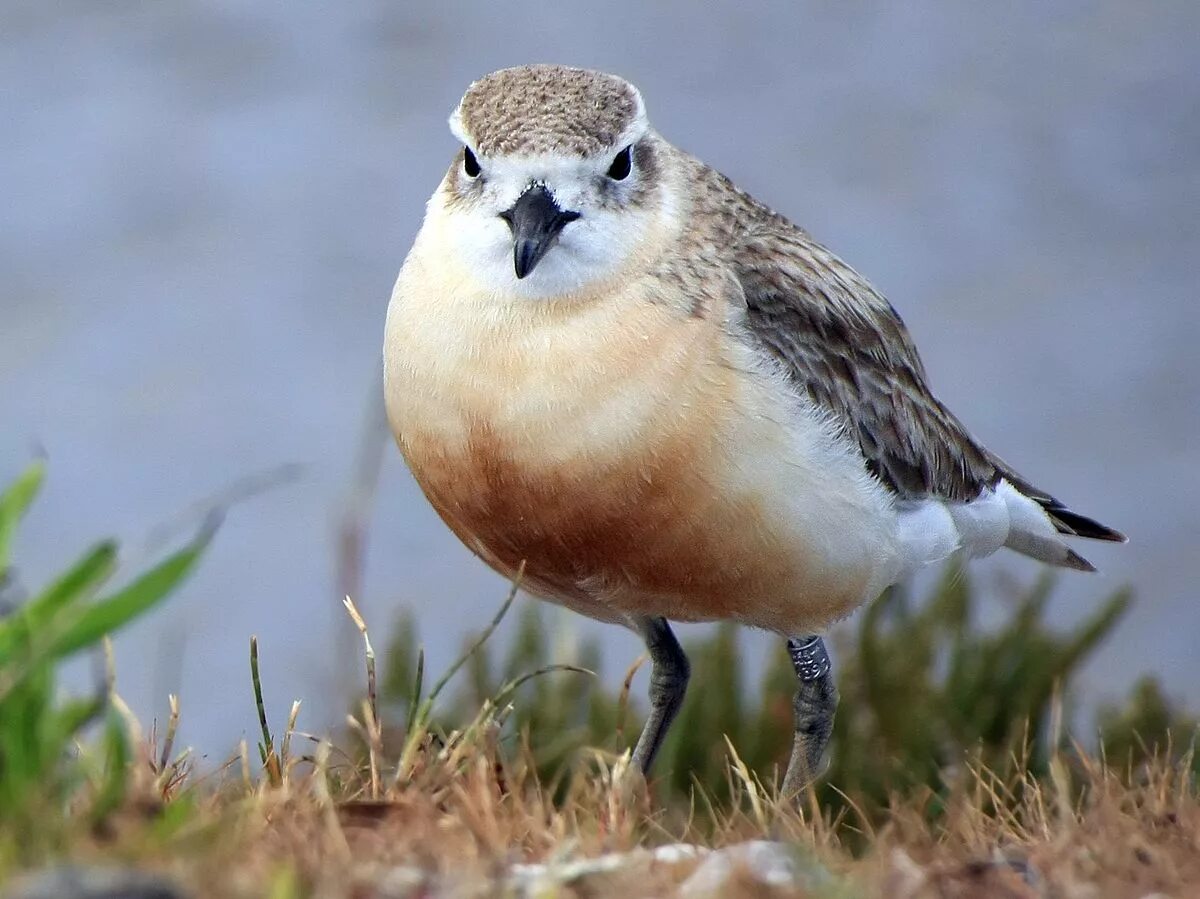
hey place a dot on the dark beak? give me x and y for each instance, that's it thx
(535, 221)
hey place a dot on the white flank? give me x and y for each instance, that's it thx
(1031, 531)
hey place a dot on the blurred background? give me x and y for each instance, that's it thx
(205, 205)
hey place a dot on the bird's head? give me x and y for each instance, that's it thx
(558, 184)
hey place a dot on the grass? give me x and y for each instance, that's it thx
(952, 771)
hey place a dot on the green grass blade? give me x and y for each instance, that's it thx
(108, 614)
(61, 726)
(1094, 630)
(80, 582)
(13, 504)
(112, 787)
(268, 743)
(414, 697)
(23, 715)
(74, 715)
(480, 640)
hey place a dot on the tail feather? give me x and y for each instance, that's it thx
(1064, 520)
(1046, 549)
(1036, 521)
(1077, 525)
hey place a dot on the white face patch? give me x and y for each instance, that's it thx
(592, 248)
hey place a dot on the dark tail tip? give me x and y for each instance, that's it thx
(1078, 562)
(1077, 525)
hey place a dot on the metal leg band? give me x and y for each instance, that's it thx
(809, 658)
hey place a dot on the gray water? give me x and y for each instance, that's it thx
(204, 206)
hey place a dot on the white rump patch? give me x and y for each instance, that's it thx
(925, 533)
(982, 523)
(1025, 515)
(931, 530)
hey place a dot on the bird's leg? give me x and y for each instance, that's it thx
(815, 704)
(669, 672)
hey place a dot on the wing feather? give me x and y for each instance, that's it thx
(848, 350)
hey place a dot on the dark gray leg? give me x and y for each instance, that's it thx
(815, 704)
(669, 672)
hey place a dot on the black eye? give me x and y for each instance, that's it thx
(622, 165)
(470, 163)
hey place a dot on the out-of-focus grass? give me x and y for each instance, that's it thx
(951, 773)
(40, 771)
(926, 694)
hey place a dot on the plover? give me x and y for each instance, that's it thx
(607, 363)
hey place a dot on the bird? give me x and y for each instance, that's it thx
(610, 369)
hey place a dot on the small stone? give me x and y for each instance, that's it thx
(678, 853)
(770, 863)
(401, 882)
(905, 877)
(75, 882)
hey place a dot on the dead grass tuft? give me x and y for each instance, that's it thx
(457, 814)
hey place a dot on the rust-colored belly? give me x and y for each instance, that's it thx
(619, 452)
(651, 533)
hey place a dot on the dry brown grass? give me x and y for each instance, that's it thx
(463, 813)
(406, 808)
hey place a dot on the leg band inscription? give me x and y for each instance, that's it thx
(809, 658)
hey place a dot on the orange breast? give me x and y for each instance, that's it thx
(652, 532)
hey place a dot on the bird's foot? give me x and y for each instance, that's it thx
(815, 704)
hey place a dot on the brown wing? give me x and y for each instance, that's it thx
(846, 347)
